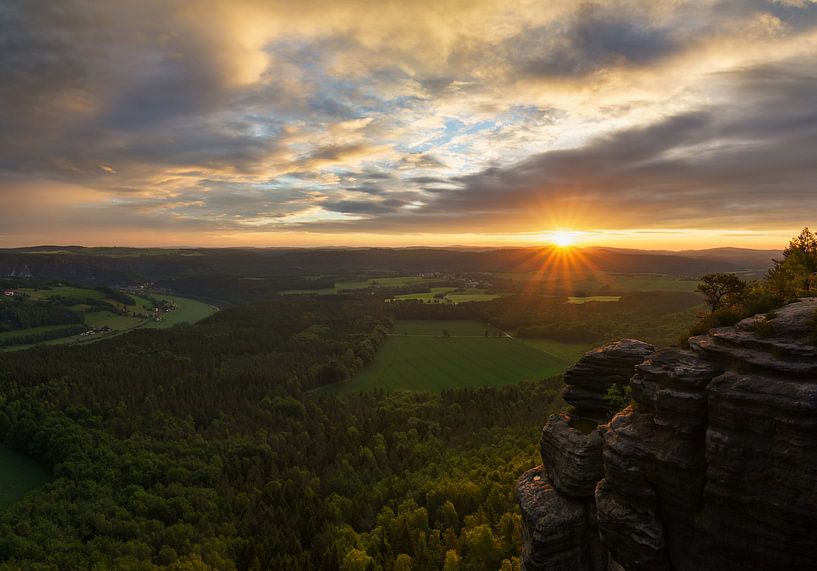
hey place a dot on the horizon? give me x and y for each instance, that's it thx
(406, 247)
(626, 124)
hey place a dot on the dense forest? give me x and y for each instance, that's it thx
(208, 445)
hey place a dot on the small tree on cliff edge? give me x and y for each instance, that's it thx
(791, 275)
(721, 288)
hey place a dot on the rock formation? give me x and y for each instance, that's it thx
(713, 467)
(588, 380)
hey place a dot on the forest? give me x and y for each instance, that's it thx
(203, 445)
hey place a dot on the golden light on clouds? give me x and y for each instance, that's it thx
(627, 123)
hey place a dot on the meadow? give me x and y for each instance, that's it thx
(390, 281)
(598, 282)
(18, 475)
(585, 299)
(437, 355)
(119, 318)
(189, 311)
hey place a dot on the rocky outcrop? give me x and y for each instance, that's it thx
(560, 532)
(572, 459)
(588, 380)
(557, 498)
(713, 467)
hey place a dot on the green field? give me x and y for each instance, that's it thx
(31, 331)
(396, 281)
(190, 311)
(63, 291)
(463, 297)
(585, 299)
(418, 357)
(450, 295)
(18, 475)
(110, 319)
(596, 281)
(427, 297)
(567, 352)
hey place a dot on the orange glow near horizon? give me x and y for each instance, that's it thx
(644, 239)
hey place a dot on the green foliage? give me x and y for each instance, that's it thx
(199, 446)
(793, 276)
(618, 398)
(39, 334)
(764, 328)
(18, 474)
(722, 290)
(733, 300)
(116, 295)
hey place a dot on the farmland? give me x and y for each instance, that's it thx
(387, 282)
(97, 313)
(585, 299)
(601, 282)
(189, 311)
(438, 355)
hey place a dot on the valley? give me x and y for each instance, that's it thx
(370, 414)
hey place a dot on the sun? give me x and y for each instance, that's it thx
(563, 238)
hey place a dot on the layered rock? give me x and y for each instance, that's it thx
(714, 467)
(557, 498)
(572, 459)
(589, 379)
(559, 532)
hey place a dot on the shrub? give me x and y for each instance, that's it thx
(618, 397)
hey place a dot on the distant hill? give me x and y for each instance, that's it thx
(132, 265)
(741, 258)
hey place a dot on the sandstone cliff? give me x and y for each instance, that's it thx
(714, 467)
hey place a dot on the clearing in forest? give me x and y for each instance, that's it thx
(436, 355)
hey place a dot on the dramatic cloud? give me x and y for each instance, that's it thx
(279, 122)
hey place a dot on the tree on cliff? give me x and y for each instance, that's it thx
(721, 288)
(792, 274)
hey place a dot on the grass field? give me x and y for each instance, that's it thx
(451, 295)
(110, 319)
(463, 297)
(417, 357)
(433, 327)
(567, 352)
(595, 281)
(395, 281)
(18, 475)
(603, 298)
(31, 331)
(427, 297)
(189, 311)
(63, 291)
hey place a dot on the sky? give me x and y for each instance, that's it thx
(644, 124)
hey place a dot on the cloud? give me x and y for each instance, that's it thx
(327, 116)
(748, 166)
(596, 37)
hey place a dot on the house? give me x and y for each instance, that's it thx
(9, 292)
